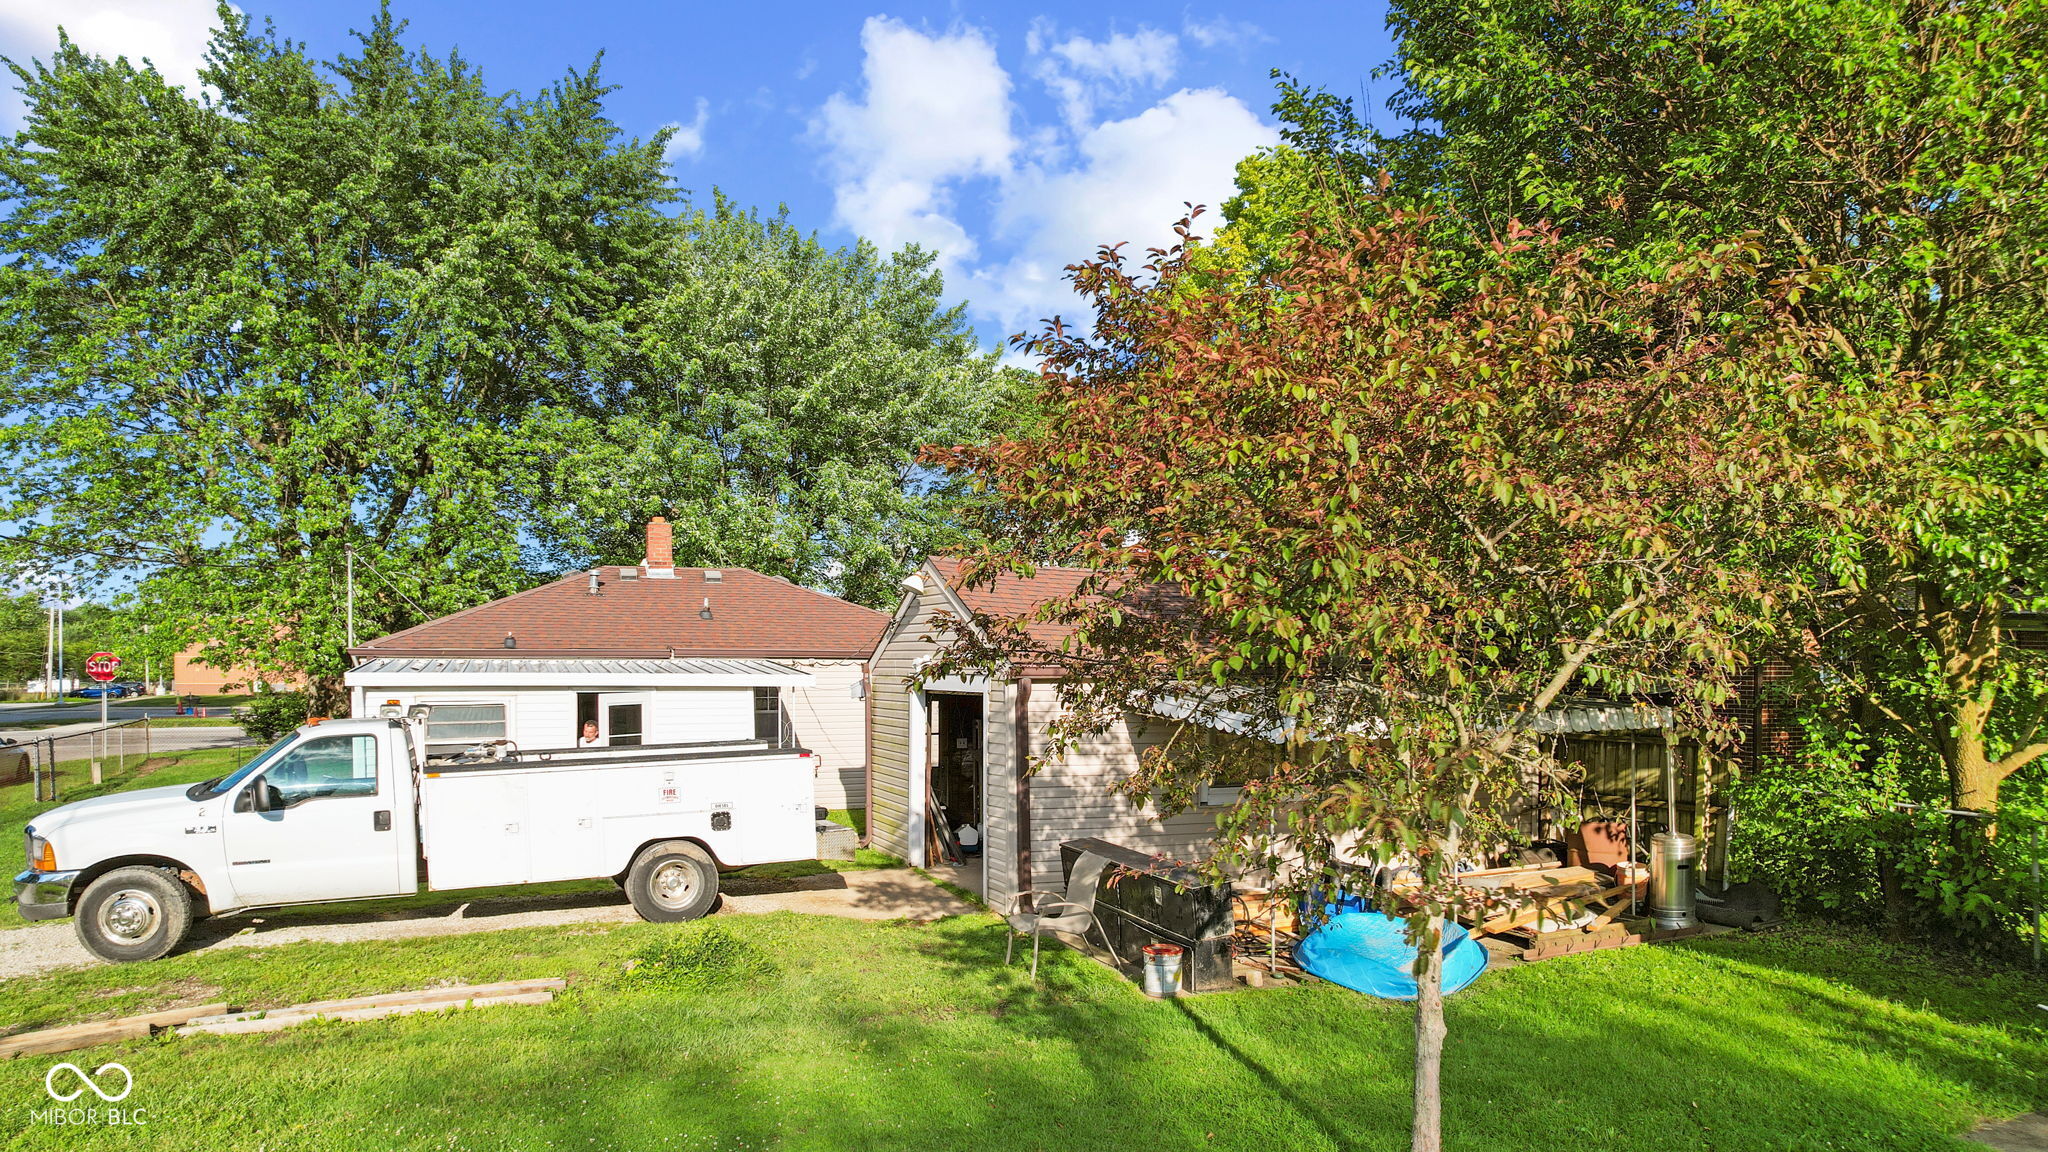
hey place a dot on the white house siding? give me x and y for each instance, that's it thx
(829, 720)
(1071, 797)
(687, 715)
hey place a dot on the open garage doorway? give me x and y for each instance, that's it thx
(956, 823)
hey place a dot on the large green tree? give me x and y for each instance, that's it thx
(246, 332)
(369, 311)
(782, 391)
(1379, 507)
(1893, 147)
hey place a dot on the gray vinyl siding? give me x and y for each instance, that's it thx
(1072, 798)
(905, 643)
(999, 794)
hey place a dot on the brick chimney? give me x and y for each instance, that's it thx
(661, 553)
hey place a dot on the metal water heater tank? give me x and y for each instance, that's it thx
(1674, 857)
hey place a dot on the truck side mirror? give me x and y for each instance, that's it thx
(256, 797)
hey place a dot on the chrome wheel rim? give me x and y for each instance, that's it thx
(130, 916)
(675, 884)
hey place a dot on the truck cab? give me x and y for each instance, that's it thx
(326, 813)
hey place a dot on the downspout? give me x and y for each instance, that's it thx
(1023, 783)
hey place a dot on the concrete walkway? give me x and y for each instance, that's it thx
(888, 894)
(2028, 1133)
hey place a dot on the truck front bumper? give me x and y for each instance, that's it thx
(44, 895)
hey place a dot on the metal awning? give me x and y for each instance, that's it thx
(529, 672)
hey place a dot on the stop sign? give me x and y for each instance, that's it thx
(100, 666)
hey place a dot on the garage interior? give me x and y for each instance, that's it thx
(954, 790)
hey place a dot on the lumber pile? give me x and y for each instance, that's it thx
(223, 1020)
(75, 1036)
(376, 1007)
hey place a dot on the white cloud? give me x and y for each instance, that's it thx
(1082, 73)
(171, 34)
(1222, 31)
(1130, 181)
(934, 151)
(936, 112)
(688, 141)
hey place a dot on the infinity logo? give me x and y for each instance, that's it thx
(85, 1082)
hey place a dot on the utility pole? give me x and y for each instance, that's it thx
(63, 677)
(49, 651)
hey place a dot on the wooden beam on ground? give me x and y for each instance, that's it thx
(251, 1022)
(72, 1037)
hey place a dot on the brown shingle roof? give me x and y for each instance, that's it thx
(1013, 596)
(751, 615)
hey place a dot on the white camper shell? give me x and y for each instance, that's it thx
(355, 810)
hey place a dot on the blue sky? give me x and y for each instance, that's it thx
(1011, 138)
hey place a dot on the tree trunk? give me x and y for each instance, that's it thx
(1973, 776)
(1429, 1040)
(326, 696)
(1893, 886)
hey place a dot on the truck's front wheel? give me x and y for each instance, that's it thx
(675, 880)
(133, 914)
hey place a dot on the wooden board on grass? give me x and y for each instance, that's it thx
(71, 1037)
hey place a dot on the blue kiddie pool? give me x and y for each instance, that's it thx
(1369, 952)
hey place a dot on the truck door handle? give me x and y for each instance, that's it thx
(382, 821)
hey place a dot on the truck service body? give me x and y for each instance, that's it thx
(355, 810)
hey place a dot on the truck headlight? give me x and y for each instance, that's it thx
(41, 856)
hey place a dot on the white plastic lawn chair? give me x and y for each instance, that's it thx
(1071, 912)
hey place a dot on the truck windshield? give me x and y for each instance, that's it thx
(220, 784)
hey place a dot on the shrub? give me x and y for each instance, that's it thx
(697, 958)
(272, 714)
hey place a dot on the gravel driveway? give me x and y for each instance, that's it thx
(887, 894)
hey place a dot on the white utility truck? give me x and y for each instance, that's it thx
(356, 809)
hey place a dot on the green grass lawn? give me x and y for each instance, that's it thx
(827, 1034)
(842, 1034)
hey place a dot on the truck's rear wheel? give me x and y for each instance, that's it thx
(674, 880)
(133, 914)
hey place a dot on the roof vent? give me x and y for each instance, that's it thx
(628, 572)
(510, 642)
(713, 576)
(704, 613)
(594, 581)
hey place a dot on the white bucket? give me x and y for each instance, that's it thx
(1162, 970)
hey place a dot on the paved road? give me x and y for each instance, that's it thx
(160, 739)
(43, 712)
(884, 894)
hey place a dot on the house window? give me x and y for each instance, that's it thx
(465, 723)
(769, 723)
(622, 725)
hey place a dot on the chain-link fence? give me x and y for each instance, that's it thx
(57, 764)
